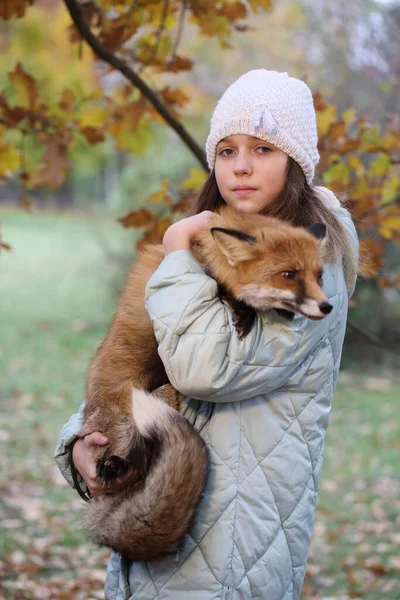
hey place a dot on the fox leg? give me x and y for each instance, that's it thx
(243, 314)
(243, 318)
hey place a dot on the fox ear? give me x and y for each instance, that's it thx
(318, 230)
(236, 245)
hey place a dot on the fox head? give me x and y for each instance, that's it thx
(269, 264)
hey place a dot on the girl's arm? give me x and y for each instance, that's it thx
(198, 343)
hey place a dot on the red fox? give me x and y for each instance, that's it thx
(260, 263)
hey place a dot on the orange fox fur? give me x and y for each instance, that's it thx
(260, 263)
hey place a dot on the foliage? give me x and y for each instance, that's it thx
(361, 161)
(358, 158)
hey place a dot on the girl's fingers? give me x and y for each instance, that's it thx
(95, 439)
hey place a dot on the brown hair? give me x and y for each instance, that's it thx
(298, 204)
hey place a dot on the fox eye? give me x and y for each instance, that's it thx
(289, 274)
(320, 277)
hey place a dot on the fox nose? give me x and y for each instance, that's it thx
(325, 308)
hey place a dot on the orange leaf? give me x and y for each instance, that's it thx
(94, 136)
(233, 11)
(178, 63)
(26, 88)
(162, 225)
(137, 218)
(54, 160)
(174, 97)
(161, 194)
(14, 8)
(183, 204)
(5, 246)
(256, 4)
(68, 100)
(128, 116)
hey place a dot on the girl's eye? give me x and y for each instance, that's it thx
(264, 149)
(226, 152)
(289, 274)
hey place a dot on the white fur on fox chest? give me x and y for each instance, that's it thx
(148, 410)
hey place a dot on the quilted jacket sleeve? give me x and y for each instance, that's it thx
(68, 434)
(198, 343)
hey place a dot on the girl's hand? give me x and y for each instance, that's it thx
(179, 235)
(86, 466)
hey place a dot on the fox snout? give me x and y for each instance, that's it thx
(325, 308)
(313, 309)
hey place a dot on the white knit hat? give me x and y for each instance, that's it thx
(273, 107)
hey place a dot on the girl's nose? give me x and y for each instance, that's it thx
(242, 165)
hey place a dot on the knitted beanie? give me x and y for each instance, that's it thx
(273, 107)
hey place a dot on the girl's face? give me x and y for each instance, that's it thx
(250, 173)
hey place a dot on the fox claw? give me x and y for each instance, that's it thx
(111, 468)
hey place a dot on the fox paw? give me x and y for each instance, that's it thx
(243, 322)
(109, 469)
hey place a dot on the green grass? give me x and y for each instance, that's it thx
(58, 291)
(356, 534)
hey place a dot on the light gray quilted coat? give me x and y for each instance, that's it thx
(273, 394)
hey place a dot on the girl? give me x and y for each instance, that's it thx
(269, 395)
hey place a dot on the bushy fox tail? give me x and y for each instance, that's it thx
(151, 516)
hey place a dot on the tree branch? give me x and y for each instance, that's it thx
(376, 341)
(180, 29)
(159, 35)
(103, 53)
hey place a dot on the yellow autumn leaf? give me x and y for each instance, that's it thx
(392, 223)
(390, 141)
(360, 189)
(355, 164)
(380, 165)
(371, 139)
(94, 116)
(257, 4)
(386, 233)
(390, 189)
(160, 194)
(137, 142)
(325, 119)
(349, 114)
(196, 178)
(338, 172)
(25, 87)
(10, 160)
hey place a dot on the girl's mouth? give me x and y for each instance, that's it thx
(245, 191)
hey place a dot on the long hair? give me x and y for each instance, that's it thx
(298, 204)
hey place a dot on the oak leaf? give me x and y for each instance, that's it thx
(14, 8)
(26, 88)
(137, 218)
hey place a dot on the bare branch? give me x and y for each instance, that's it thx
(180, 29)
(103, 53)
(159, 34)
(375, 340)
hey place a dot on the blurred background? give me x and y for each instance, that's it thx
(90, 165)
